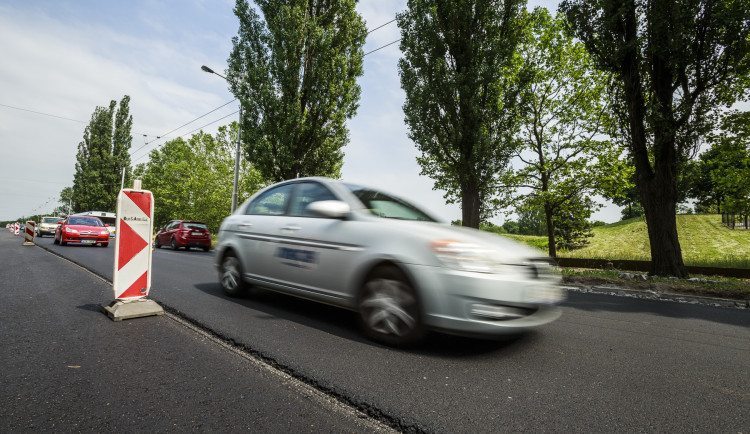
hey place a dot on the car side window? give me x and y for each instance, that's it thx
(272, 202)
(306, 194)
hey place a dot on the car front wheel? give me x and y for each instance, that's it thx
(230, 276)
(389, 310)
(55, 241)
(157, 244)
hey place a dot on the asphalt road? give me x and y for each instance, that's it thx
(610, 364)
(66, 367)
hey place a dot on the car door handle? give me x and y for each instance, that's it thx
(246, 225)
(291, 228)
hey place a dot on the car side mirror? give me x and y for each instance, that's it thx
(60, 222)
(335, 209)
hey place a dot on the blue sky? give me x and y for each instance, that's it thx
(64, 58)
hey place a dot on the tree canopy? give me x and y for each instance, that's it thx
(294, 72)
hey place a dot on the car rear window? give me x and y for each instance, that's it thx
(195, 226)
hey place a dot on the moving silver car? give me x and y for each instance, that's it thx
(399, 268)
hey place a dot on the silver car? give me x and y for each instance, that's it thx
(399, 268)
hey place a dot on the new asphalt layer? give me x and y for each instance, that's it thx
(67, 367)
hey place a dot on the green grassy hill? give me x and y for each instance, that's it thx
(704, 242)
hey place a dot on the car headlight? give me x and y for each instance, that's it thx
(465, 256)
(73, 231)
(105, 232)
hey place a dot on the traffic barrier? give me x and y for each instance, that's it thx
(17, 228)
(132, 266)
(29, 233)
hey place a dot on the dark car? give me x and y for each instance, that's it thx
(183, 233)
(82, 230)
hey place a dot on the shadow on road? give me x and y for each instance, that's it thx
(609, 303)
(344, 323)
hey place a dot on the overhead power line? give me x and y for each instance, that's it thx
(188, 133)
(188, 123)
(381, 47)
(380, 26)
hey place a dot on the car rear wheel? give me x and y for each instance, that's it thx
(174, 244)
(230, 276)
(389, 309)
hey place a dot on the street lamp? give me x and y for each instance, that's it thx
(237, 153)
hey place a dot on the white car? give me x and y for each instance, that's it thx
(399, 268)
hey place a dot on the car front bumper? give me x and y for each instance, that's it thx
(85, 240)
(486, 304)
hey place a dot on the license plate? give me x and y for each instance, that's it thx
(196, 233)
(88, 242)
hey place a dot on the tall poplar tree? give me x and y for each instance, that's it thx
(460, 115)
(674, 64)
(294, 72)
(101, 157)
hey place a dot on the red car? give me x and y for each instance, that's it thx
(183, 233)
(81, 230)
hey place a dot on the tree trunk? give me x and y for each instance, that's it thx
(470, 207)
(657, 185)
(666, 254)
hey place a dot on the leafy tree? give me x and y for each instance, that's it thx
(460, 99)
(531, 218)
(563, 111)
(511, 227)
(673, 65)
(101, 157)
(571, 221)
(295, 73)
(66, 199)
(730, 162)
(191, 179)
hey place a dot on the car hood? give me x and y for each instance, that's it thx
(86, 228)
(503, 249)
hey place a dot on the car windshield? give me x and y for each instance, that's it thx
(85, 221)
(50, 220)
(195, 226)
(383, 205)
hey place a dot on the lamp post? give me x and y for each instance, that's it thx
(237, 153)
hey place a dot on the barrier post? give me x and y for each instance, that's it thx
(29, 233)
(132, 266)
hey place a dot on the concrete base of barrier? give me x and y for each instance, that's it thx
(119, 310)
(28, 243)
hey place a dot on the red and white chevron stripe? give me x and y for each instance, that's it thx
(30, 232)
(134, 228)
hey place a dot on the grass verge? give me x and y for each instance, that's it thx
(708, 286)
